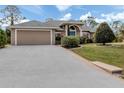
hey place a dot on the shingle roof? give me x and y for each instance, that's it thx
(86, 28)
(28, 24)
(47, 24)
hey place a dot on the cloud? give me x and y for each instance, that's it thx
(99, 20)
(3, 25)
(113, 16)
(105, 17)
(83, 17)
(110, 17)
(66, 16)
(63, 7)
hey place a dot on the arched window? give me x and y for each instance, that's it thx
(72, 31)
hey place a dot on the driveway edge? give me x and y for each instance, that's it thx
(88, 62)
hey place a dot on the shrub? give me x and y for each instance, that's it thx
(70, 41)
(104, 34)
(84, 39)
(3, 38)
(58, 39)
(120, 39)
(88, 40)
(8, 33)
(115, 40)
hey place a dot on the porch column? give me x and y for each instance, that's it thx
(66, 30)
(80, 31)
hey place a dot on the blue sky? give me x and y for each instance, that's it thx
(78, 12)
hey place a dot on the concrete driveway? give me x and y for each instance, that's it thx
(49, 66)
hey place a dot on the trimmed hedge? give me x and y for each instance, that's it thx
(3, 38)
(70, 41)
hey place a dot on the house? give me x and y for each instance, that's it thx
(36, 32)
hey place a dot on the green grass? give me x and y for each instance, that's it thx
(106, 54)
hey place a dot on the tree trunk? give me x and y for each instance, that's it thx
(12, 19)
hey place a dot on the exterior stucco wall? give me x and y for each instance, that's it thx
(63, 33)
(86, 34)
(78, 29)
(78, 33)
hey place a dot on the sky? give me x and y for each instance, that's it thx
(67, 12)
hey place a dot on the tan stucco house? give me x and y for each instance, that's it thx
(43, 33)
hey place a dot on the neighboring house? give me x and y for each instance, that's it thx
(36, 32)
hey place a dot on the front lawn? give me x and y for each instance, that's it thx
(106, 54)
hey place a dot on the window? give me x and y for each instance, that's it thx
(72, 31)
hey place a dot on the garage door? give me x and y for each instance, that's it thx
(33, 37)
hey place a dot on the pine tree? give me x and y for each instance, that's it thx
(104, 34)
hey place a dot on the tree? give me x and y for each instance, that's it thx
(8, 33)
(120, 35)
(0, 23)
(122, 29)
(12, 14)
(116, 24)
(104, 34)
(3, 38)
(90, 21)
